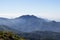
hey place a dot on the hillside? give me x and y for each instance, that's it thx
(29, 27)
(6, 35)
(29, 23)
(41, 35)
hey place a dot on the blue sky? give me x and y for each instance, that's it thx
(49, 9)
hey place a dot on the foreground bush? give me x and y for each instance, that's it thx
(9, 36)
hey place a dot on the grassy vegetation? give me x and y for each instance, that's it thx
(9, 36)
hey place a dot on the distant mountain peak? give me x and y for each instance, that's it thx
(27, 16)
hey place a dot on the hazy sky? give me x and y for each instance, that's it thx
(49, 9)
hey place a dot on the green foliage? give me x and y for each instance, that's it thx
(9, 36)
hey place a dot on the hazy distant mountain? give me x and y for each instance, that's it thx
(29, 23)
(6, 28)
(41, 35)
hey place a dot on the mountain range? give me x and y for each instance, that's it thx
(29, 23)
